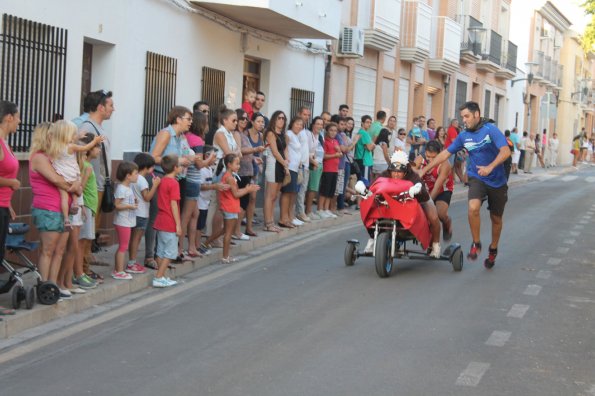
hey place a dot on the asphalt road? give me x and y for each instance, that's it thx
(301, 323)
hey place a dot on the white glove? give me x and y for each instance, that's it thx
(360, 187)
(414, 190)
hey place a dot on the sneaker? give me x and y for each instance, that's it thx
(474, 251)
(491, 260)
(228, 260)
(84, 282)
(304, 218)
(435, 250)
(314, 216)
(121, 275)
(135, 268)
(77, 290)
(297, 222)
(163, 282)
(242, 237)
(65, 294)
(324, 214)
(369, 246)
(204, 251)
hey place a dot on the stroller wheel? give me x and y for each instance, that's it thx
(48, 293)
(29, 297)
(18, 295)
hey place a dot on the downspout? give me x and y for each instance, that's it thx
(327, 78)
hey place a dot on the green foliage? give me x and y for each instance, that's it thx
(588, 37)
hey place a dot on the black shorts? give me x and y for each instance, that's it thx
(497, 197)
(279, 172)
(444, 196)
(245, 199)
(328, 184)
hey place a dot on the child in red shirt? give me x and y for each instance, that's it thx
(167, 222)
(229, 204)
(249, 99)
(330, 170)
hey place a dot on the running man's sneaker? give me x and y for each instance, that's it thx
(84, 282)
(474, 251)
(435, 250)
(491, 260)
(136, 268)
(163, 282)
(121, 275)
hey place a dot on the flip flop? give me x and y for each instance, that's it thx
(271, 228)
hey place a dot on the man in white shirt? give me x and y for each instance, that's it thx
(300, 207)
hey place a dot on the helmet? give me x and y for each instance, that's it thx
(399, 161)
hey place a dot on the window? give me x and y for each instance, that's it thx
(160, 94)
(213, 92)
(32, 73)
(488, 103)
(299, 98)
(461, 97)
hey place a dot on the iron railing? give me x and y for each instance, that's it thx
(547, 67)
(539, 59)
(299, 98)
(511, 57)
(160, 94)
(32, 73)
(493, 48)
(467, 21)
(213, 92)
(560, 74)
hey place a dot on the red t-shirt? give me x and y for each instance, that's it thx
(169, 190)
(431, 178)
(331, 164)
(451, 135)
(227, 202)
(247, 107)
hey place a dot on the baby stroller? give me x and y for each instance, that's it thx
(47, 292)
(393, 217)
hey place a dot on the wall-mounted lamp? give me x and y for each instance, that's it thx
(530, 75)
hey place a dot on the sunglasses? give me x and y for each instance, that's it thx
(281, 118)
(243, 119)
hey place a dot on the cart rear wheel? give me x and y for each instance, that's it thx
(383, 259)
(17, 296)
(48, 293)
(29, 297)
(457, 260)
(349, 254)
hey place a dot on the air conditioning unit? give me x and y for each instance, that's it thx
(351, 43)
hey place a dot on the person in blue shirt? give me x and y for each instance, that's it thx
(488, 149)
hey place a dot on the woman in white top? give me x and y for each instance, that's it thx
(289, 191)
(553, 146)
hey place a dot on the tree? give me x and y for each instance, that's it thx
(588, 37)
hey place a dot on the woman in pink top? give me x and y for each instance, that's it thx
(9, 167)
(47, 216)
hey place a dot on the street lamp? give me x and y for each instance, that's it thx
(476, 34)
(530, 75)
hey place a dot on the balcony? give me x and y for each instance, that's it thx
(508, 66)
(448, 46)
(294, 19)
(471, 38)
(381, 21)
(415, 43)
(539, 58)
(547, 72)
(491, 56)
(559, 74)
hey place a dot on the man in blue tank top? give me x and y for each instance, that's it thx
(488, 150)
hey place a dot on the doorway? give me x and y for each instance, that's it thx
(251, 77)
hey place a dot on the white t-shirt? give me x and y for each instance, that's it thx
(126, 217)
(304, 135)
(294, 151)
(143, 206)
(398, 144)
(205, 196)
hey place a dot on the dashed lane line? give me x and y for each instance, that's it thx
(562, 250)
(554, 261)
(472, 375)
(569, 241)
(574, 233)
(579, 227)
(498, 338)
(544, 274)
(532, 290)
(518, 311)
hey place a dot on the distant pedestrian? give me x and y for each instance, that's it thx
(523, 145)
(553, 146)
(529, 153)
(516, 154)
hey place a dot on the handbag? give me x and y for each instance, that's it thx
(107, 201)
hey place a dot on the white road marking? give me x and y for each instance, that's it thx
(591, 391)
(569, 241)
(532, 290)
(472, 374)
(583, 222)
(590, 179)
(580, 299)
(518, 311)
(579, 227)
(498, 338)
(587, 217)
(562, 250)
(575, 233)
(569, 178)
(590, 213)
(543, 274)
(554, 261)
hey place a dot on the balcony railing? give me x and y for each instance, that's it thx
(471, 41)
(383, 25)
(508, 64)
(511, 56)
(416, 31)
(539, 58)
(559, 76)
(448, 46)
(547, 68)
(493, 48)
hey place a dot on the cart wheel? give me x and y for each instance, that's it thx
(29, 297)
(17, 296)
(349, 254)
(383, 261)
(48, 293)
(457, 260)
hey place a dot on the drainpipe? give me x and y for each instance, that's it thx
(446, 100)
(327, 78)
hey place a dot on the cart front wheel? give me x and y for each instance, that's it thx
(457, 260)
(48, 293)
(29, 297)
(349, 254)
(382, 255)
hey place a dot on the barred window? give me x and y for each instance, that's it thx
(299, 98)
(213, 92)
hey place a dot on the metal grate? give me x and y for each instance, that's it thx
(511, 57)
(461, 97)
(299, 98)
(493, 51)
(213, 92)
(488, 103)
(32, 73)
(160, 94)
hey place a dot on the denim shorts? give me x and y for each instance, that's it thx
(167, 245)
(141, 223)
(229, 215)
(192, 190)
(47, 221)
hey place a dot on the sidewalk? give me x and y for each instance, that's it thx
(112, 289)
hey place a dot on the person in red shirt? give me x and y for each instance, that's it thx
(456, 161)
(249, 99)
(167, 223)
(229, 204)
(330, 170)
